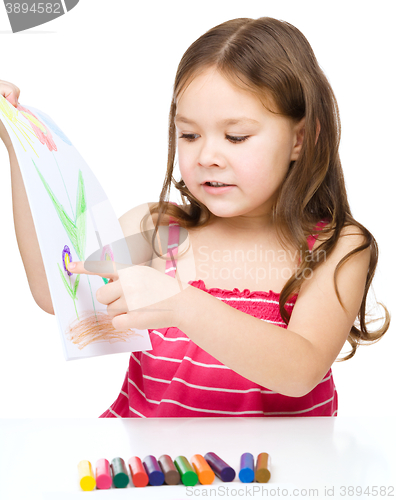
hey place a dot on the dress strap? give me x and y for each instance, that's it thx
(173, 245)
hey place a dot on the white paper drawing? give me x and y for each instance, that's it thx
(73, 219)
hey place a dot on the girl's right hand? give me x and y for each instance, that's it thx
(10, 92)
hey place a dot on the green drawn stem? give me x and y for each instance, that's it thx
(72, 290)
(60, 172)
(68, 224)
(74, 300)
(81, 215)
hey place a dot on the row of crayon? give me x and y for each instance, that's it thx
(166, 471)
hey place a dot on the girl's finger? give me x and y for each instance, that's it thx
(108, 293)
(95, 268)
(116, 308)
(121, 322)
(12, 99)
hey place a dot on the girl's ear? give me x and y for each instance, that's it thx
(299, 137)
(317, 130)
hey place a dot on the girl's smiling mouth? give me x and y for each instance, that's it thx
(213, 189)
(216, 183)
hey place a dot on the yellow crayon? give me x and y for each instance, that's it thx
(87, 479)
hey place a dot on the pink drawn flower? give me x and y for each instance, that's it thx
(107, 254)
(41, 131)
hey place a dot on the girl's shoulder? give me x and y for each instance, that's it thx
(322, 231)
(131, 222)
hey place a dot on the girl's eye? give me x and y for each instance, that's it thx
(189, 137)
(235, 140)
(231, 138)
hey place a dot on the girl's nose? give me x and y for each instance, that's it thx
(210, 155)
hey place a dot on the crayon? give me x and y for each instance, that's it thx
(103, 474)
(187, 474)
(246, 472)
(87, 480)
(167, 466)
(155, 474)
(262, 468)
(201, 467)
(120, 474)
(220, 468)
(138, 472)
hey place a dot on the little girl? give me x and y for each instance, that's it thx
(281, 268)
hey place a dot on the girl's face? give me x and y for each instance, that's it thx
(225, 134)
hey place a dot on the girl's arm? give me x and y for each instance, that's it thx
(26, 234)
(289, 361)
(23, 220)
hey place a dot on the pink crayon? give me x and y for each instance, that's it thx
(103, 476)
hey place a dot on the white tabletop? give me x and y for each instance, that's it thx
(39, 457)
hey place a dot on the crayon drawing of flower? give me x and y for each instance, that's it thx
(42, 132)
(70, 287)
(18, 126)
(54, 127)
(107, 254)
(66, 259)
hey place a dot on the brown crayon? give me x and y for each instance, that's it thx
(171, 474)
(262, 474)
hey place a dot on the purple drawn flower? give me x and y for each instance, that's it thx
(66, 259)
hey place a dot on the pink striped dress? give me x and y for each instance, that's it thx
(179, 379)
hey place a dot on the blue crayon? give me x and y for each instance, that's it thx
(246, 473)
(155, 474)
(222, 470)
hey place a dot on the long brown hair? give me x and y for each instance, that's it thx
(273, 60)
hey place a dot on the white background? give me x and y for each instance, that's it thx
(85, 68)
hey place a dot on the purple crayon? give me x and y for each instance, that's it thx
(155, 474)
(220, 468)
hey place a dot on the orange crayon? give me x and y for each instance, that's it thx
(203, 470)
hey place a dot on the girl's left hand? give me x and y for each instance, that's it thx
(138, 296)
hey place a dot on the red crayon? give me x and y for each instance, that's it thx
(138, 473)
